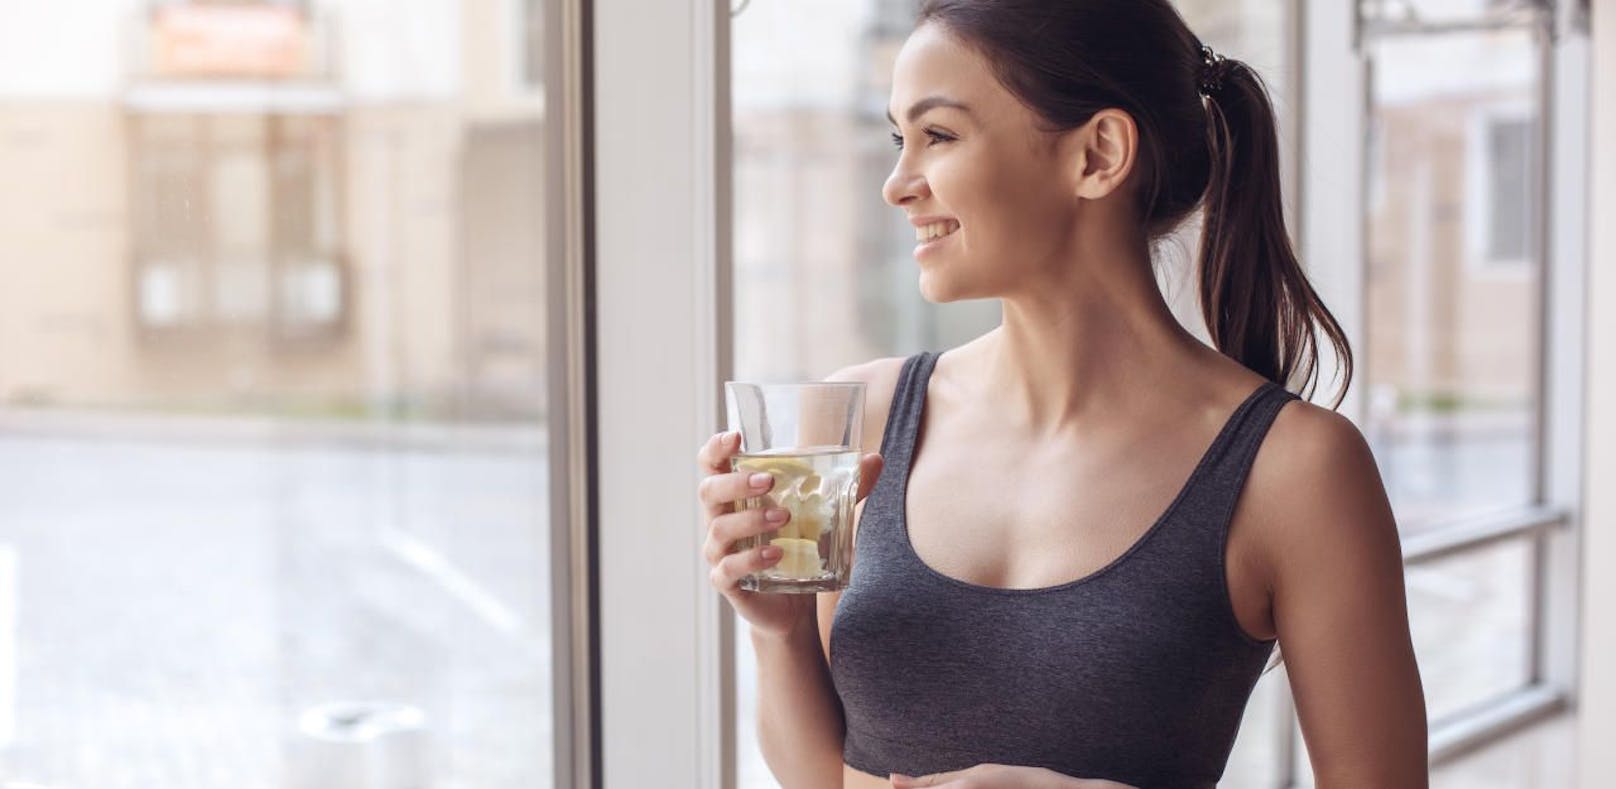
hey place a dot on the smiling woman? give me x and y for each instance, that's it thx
(1110, 627)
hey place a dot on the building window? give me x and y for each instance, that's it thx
(236, 221)
(1507, 192)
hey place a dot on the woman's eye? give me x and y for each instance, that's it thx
(936, 136)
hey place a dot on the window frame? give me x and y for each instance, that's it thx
(573, 526)
(660, 315)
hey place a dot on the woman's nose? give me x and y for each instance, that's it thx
(903, 186)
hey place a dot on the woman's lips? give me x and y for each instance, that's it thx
(930, 246)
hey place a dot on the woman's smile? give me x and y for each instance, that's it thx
(932, 235)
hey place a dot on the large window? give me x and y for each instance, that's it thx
(274, 421)
(1454, 344)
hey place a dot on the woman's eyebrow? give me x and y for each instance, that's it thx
(930, 102)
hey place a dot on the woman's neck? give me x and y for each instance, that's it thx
(1085, 346)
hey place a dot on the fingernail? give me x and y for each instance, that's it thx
(771, 552)
(732, 437)
(760, 480)
(775, 515)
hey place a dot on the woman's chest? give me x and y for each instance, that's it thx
(998, 520)
(1012, 520)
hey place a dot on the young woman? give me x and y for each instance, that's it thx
(1087, 530)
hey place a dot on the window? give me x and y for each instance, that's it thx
(1500, 194)
(1458, 352)
(274, 367)
(259, 248)
(1452, 356)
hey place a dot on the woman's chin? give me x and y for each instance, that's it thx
(937, 289)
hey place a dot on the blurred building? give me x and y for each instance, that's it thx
(275, 206)
(1452, 245)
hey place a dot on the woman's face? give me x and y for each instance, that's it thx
(983, 168)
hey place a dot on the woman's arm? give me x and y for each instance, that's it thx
(1339, 605)
(800, 723)
(799, 717)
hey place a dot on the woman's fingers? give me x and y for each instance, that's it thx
(728, 528)
(728, 572)
(713, 457)
(718, 491)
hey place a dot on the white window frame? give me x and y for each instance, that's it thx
(661, 352)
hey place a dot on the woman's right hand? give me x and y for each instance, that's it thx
(767, 612)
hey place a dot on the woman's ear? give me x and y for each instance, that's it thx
(1106, 148)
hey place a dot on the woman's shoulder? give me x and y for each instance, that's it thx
(1310, 444)
(1314, 483)
(880, 379)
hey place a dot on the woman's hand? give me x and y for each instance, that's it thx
(1001, 776)
(773, 614)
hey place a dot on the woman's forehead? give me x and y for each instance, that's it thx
(934, 68)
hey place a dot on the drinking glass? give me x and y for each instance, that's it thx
(806, 435)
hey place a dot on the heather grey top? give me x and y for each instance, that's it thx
(1137, 673)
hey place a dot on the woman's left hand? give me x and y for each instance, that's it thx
(1001, 776)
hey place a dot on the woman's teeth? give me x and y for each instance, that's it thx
(935, 230)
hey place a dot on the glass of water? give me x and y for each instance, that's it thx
(806, 435)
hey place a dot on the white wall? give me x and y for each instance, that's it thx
(1598, 698)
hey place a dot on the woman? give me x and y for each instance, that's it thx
(1079, 579)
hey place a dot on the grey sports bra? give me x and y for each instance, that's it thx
(1137, 673)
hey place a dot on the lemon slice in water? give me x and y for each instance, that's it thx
(799, 558)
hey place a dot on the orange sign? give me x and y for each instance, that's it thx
(260, 41)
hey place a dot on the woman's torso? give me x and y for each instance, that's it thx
(981, 513)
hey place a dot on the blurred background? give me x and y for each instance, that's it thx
(276, 366)
(272, 387)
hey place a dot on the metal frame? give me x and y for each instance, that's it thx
(1528, 522)
(1566, 270)
(569, 253)
(1494, 722)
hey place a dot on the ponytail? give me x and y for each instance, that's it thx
(1258, 305)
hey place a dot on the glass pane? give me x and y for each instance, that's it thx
(1472, 625)
(824, 275)
(824, 272)
(1451, 358)
(272, 397)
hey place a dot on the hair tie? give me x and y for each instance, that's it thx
(1213, 69)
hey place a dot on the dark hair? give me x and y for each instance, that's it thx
(1068, 60)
